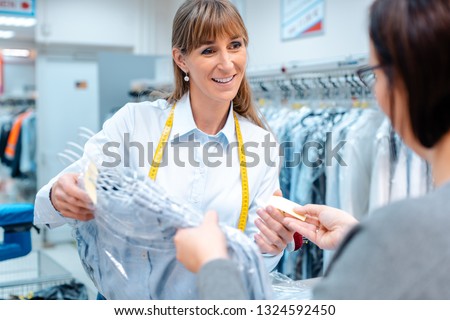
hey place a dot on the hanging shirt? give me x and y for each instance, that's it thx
(28, 136)
(418, 177)
(130, 139)
(399, 180)
(381, 171)
(355, 178)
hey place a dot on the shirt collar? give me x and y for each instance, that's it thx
(183, 122)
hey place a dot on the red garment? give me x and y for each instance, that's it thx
(298, 241)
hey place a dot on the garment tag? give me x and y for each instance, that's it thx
(90, 182)
(286, 206)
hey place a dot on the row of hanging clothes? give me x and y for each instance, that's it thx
(18, 147)
(338, 149)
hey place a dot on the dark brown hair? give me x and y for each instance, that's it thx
(198, 21)
(412, 41)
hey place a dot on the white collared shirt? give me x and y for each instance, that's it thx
(206, 184)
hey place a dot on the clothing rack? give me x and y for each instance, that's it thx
(17, 150)
(325, 81)
(25, 102)
(294, 69)
(304, 103)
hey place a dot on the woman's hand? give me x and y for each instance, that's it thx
(197, 246)
(325, 226)
(274, 236)
(70, 200)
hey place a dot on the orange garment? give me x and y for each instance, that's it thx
(13, 138)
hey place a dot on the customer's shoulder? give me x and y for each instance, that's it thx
(418, 205)
(413, 214)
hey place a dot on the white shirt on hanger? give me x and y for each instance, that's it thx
(355, 178)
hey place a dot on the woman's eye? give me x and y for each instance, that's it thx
(236, 44)
(207, 51)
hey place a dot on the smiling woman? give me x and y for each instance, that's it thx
(210, 105)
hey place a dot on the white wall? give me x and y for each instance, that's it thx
(18, 78)
(144, 26)
(116, 71)
(62, 108)
(345, 33)
(87, 22)
(165, 12)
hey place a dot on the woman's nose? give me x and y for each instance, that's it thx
(225, 61)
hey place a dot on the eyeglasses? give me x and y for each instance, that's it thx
(367, 75)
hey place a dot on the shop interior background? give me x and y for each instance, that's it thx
(82, 60)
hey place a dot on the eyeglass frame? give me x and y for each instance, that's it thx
(365, 69)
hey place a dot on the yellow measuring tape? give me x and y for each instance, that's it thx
(157, 158)
(244, 177)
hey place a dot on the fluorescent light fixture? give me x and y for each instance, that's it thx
(17, 22)
(19, 53)
(6, 34)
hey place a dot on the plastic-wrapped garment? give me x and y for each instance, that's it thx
(128, 249)
(285, 288)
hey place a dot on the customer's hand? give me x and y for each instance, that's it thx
(274, 236)
(197, 246)
(325, 226)
(70, 200)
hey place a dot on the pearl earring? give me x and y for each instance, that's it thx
(186, 78)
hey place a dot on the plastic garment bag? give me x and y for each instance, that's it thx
(128, 249)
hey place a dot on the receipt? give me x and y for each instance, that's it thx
(286, 206)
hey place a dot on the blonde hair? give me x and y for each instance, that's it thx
(198, 21)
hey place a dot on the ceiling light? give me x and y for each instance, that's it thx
(20, 53)
(17, 22)
(4, 34)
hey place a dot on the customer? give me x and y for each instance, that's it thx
(402, 250)
(211, 105)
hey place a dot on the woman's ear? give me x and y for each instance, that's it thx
(179, 59)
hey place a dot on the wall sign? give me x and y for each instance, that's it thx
(17, 7)
(301, 18)
(81, 85)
